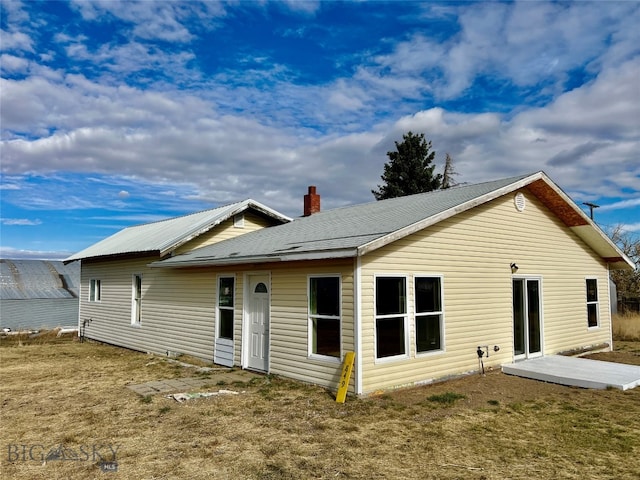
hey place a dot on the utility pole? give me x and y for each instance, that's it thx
(591, 207)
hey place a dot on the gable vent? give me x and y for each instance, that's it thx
(520, 202)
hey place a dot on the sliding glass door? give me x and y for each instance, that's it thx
(527, 323)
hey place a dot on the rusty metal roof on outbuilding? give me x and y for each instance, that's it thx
(30, 279)
(166, 235)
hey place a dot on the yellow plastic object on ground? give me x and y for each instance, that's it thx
(347, 366)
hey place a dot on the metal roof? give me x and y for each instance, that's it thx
(166, 235)
(355, 230)
(28, 279)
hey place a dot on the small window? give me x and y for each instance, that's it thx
(391, 317)
(429, 324)
(136, 301)
(324, 316)
(238, 220)
(592, 303)
(261, 288)
(225, 307)
(95, 290)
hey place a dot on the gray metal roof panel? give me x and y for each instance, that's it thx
(342, 229)
(27, 279)
(164, 235)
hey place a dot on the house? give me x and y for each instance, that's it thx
(412, 285)
(38, 294)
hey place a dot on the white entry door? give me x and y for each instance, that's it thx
(258, 322)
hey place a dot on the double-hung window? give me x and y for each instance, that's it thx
(391, 317)
(95, 290)
(225, 307)
(428, 314)
(592, 303)
(324, 316)
(136, 299)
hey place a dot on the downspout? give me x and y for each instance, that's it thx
(609, 309)
(80, 297)
(357, 323)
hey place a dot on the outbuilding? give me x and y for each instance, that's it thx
(38, 294)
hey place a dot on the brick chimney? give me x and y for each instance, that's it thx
(311, 202)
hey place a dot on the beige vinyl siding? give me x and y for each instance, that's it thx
(289, 322)
(178, 308)
(473, 252)
(224, 231)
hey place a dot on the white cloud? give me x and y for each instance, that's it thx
(165, 21)
(16, 41)
(526, 43)
(20, 221)
(623, 204)
(283, 136)
(13, 64)
(15, 253)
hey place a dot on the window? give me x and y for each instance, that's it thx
(95, 290)
(225, 307)
(391, 316)
(136, 302)
(324, 316)
(428, 303)
(592, 302)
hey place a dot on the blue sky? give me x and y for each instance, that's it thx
(116, 113)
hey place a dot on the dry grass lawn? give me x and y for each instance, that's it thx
(479, 427)
(626, 327)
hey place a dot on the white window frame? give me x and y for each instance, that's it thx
(595, 302)
(417, 314)
(136, 302)
(404, 315)
(312, 317)
(231, 308)
(95, 290)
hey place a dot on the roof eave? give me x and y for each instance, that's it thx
(113, 256)
(585, 228)
(253, 259)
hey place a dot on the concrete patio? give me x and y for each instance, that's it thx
(578, 372)
(188, 384)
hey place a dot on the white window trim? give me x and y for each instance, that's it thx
(405, 316)
(596, 303)
(218, 307)
(310, 318)
(136, 320)
(443, 345)
(95, 286)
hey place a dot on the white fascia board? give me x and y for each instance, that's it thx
(427, 222)
(266, 210)
(298, 256)
(208, 262)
